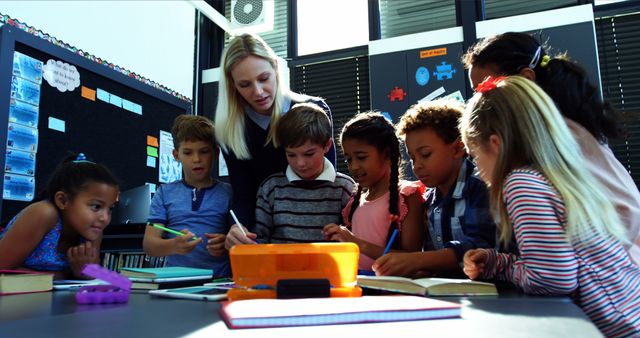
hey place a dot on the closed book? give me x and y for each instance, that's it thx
(429, 286)
(18, 281)
(255, 313)
(166, 272)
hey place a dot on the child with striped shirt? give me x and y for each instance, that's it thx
(568, 233)
(294, 206)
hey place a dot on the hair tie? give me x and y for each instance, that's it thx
(490, 83)
(536, 57)
(81, 158)
(545, 61)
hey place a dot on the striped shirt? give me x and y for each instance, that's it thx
(296, 211)
(595, 272)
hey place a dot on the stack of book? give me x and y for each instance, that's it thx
(167, 277)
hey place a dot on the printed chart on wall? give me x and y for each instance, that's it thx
(22, 129)
(403, 78)
(169, 169)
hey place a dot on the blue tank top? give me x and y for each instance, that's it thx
(45, 257)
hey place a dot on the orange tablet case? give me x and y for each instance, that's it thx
(258, 267)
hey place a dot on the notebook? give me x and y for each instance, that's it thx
(255, 313)
(133, 206)
(429, 286)
(174, 272)
(17, 281)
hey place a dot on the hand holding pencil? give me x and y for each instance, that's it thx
(238, 234)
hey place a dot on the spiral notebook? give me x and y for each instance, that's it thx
(255, 313)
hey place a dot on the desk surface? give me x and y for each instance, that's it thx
(55, 314)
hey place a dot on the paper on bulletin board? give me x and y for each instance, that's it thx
(61, 75)
(18, 187)
(88, 93)
(27, 67)
(152, 141)
(22, 137)
(169, 169)
(103, 95)
(115, 100)
(151, 161)
(152, 151)
(23, 113)
(56, 124)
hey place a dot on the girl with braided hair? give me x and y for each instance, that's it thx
(382, 202)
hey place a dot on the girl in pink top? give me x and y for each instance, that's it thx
(384, 202)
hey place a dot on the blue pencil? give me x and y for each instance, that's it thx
(393, 238)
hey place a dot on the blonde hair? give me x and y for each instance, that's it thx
(533, 133)
(230, 115)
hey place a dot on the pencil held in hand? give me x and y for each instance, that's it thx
(171, 231)
(244, 233)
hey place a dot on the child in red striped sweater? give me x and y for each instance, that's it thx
(568, 233)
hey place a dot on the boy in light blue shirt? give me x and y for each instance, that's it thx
(198, 205)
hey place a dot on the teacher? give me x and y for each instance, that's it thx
(251, 99)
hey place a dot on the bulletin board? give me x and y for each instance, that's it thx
(80, 106)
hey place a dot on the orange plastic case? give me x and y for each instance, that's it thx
(258, 267)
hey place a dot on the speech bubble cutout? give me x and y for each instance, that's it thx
(63, 76)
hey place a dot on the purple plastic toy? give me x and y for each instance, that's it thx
(117, 292)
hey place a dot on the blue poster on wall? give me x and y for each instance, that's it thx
(18, 187)
(22, 138)
(20, 162)
(26, 91)
(27, 68)
(23, 113)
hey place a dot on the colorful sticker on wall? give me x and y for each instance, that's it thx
(151, 161)
(115, 100)
(56, 124)
(422, 76)
(61, 75)
(152, 141)
(396, 94)
(88, 93)
(427, 53)
(103, 95)
(27, 67)
(444, 71)
(457, 95)
(152, 151)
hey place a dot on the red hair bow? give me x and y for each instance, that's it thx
(490, 83)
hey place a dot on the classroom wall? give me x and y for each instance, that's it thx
(152, 38)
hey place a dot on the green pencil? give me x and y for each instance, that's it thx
(168, 230)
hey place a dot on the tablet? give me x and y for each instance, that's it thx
(193, 292)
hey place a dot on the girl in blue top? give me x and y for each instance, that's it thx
(62, 231)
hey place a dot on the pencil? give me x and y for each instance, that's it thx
(238, 222)
(393, 237)
(168, 230)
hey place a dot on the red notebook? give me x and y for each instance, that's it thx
(18, 281)
(256, 313)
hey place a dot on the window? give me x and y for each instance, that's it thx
(331, 24)
(344, 84)
(618, 45)
(401, 17)
(502, 8)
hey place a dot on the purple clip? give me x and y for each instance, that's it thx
(117, 292)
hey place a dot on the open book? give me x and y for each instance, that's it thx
(428, 286)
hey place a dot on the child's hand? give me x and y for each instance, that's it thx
(215, 244)
(474, 261)
(235, 236)
(395, 264)
(339, 233)
(79, 256)
(182, 245)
